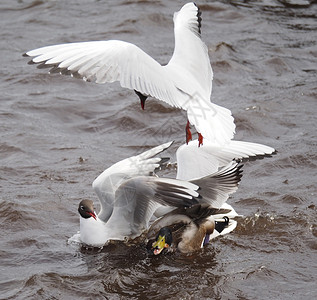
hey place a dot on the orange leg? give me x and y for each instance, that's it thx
(200, 139)
(188, 133)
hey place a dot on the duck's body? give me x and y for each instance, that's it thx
(187, 229)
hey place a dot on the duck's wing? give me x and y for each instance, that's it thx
(195, 213)
(106, 184)
(216, 188)
(195, 162)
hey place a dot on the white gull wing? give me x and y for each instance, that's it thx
(106, 184)
(193, 75)
(216, 188)
(195, 162)
(185, 82)
(110, 61)
(138, 198)
(190, 57)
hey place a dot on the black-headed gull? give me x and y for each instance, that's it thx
(129, 196)
(185, 82)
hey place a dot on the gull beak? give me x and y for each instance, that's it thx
(93, 215)
(159, 245)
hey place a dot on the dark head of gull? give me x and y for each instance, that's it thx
(86, 209)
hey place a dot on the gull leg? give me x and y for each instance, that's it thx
(188, 133)
(200, 139)
(142, 98)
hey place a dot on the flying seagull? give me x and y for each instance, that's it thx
(185, 82)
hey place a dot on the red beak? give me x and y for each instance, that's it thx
(93, 215)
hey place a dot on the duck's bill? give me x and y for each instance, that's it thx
(159, 245)
(157, 251)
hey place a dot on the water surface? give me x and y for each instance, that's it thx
(58, 134)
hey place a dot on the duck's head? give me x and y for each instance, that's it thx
(86, 209)
(163, 240)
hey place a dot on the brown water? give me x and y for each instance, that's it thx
(59, 133)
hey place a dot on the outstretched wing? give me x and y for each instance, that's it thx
(109, 61)
(106, 184)
(195, 162)
(190, 57)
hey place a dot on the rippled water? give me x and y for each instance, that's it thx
(58, 134)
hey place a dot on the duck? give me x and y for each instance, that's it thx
(184, 82)
(131, 195)
(188, 229)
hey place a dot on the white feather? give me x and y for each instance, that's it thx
(195, 162)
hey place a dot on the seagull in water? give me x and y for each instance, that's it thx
(130, 195)
(185, 82)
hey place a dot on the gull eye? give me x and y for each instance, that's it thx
(82, 207)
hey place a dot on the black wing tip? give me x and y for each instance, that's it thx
(234, 172)
(164, 160)
(199, 18)
(256, 157)
(163, 164)
(239, 172)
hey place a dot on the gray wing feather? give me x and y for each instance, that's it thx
(215, 189)
(137, 198)
(106, 184)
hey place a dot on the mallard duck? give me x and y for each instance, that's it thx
(130, 195)
(188, 229)
(185, 82)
